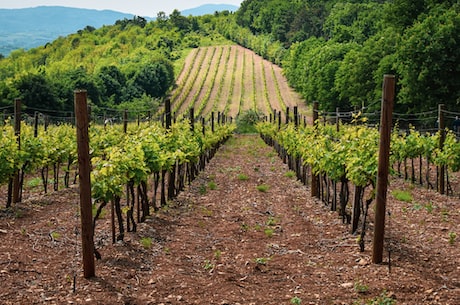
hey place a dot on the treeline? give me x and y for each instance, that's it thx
(336, 52)
(131, 64)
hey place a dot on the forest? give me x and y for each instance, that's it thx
(335, 52)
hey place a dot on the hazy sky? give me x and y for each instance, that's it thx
(148, 8)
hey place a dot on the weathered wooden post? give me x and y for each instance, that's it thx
(296, 117)
(168, 113)
(192, 119)
(386, 117)
(84, 171)
(125, 121)
(442, 138)
(315, 178)
(17, 132)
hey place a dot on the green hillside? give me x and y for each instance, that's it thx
(130, 64)
(335, 52)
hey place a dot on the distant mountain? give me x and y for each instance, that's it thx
(209, 9)
(32, 27)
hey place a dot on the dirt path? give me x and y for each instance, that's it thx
(244, 232)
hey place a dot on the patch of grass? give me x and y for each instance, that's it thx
(263, 188)
(429, 207)
(212, 185)
(146, 242)
(203, 189)
(34, 182)
(290, 174)
(452, 238)
(402, 195)
(217, 254)
(262, 260)
(383, 299)
(360, 287)
(244, 227)
(243, 177)
(208, 265)
(268, 232)
(55, 235)
(296, 301)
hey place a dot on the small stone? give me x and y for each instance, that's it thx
(347, 285)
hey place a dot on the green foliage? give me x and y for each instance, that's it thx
(116, 64)
(246, 121)
(262, 188)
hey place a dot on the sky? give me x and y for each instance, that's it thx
(146, 8)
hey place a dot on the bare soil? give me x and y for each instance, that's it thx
(244, 232)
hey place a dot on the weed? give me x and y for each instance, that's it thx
(296, 301)
(167, 251)
(217, 254)
(383, 299)
(429, 207)
(261, 260)
(203, 189)
(146, 242)
(263, 188)
(34, 182)
(23, 231)
(212, 185)
(55, 235)
(206, 211)
(452, 238)
(268, 232)
(244, 227)
(208, 265)
(243, 177)
(417, 206)
(271, 221)
(402, 195)
(360, 287)
(290, 174)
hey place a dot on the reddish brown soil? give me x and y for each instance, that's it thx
(223, 241)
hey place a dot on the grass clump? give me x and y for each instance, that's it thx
(243, 177)
(402, 195)
(262, 188)
(146, 242)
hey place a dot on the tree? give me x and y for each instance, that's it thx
(112, 83)
(429, 61)
(154, 78)
(36, 91)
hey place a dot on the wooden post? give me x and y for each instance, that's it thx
(287, 115)
(125, 120)
(168, 113)
(212, 121)
(17, 132)
(337, 119)
(386, 117)
(192, 119)
(296, 117)
(279, 120)
(442, 138)
(36, 124)
(315, 178)
(84, 171)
